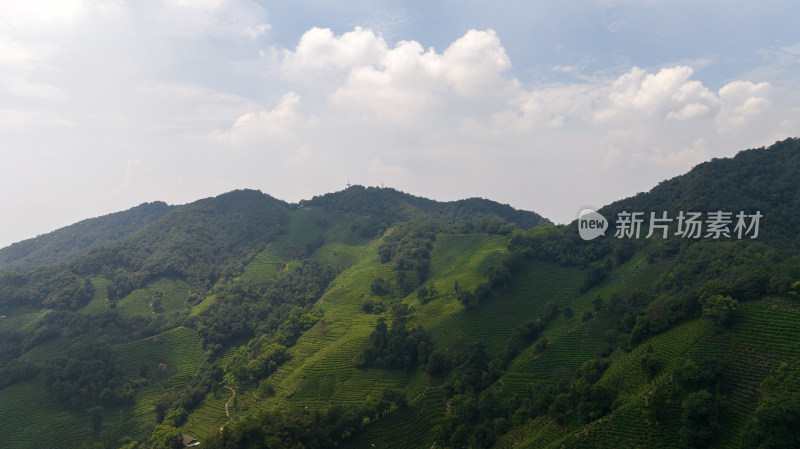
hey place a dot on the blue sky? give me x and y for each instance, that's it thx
(547, 106)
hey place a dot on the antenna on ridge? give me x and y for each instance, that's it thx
(348, 184)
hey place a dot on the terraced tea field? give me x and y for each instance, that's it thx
(30, 417)
(172, 294)
(408, 428)
(764, 334)
(493, 320)
(98, 304)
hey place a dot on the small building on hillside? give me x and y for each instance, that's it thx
(190, 441)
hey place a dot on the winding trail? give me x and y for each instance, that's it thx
(233, 393)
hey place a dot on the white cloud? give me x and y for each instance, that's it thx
(407, 81)
(741, 101)
(669, 92)
(321, 53)
(689, 111)
(254, 126)
(474, 64)
(460, 113)
(551, 106)
(682, 159)
(190, 104)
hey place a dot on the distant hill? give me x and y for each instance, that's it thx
(71, 241)
(199, 241)
(392, 205)
(762, 179)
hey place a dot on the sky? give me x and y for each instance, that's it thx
(547, 106)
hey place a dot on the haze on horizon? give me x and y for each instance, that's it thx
(550, 107)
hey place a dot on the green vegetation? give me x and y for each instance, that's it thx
(370, 317)
(65, 244)
(162, 296)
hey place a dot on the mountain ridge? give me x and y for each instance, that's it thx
(371, 317)
(63, 244)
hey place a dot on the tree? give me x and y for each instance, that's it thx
(379, 286)
(650, 363)
(467, 298)
(560, 407)
(423, 294)
(367, 306)
(777, 418)
(699, 420)
(176, 417)
(155, 305)
(165, 437)
(794, 290)
(378, 337)
(595, 274)
(438, 364)
(720, 309)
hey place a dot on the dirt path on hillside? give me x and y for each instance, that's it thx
(233, 394)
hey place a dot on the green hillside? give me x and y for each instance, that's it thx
(373, 318)
(72, 241)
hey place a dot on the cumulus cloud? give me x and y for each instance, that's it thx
(320, 53)
(400, 82)
(741, 101)
(383, 100)
(474, 64)
(669, 92)
(265, 124)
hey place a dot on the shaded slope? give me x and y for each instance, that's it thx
(64, 244)
(200, 241)
(763, 179)
(387, 206)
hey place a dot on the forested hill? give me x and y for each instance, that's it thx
(71, 241)
(762, 179)
(198, 242)
(380, 208)
(390, 205)
(372, 318)
(215, 238)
